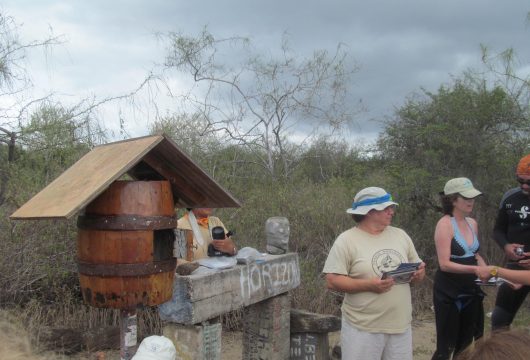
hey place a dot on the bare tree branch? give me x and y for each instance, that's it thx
(259, 101)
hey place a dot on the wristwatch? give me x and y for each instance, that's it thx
(494, 271)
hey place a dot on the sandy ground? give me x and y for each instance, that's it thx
(423, 333)
(423, 339)
(423, 342)
(423, 336)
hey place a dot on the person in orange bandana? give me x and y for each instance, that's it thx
(199, 223)
(512, 234)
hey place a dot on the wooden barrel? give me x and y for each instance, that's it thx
(125, 246)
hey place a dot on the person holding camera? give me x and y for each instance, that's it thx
(377, 309)
(197, 225)
(457, 299)
(512, 232)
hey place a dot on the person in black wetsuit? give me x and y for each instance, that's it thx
(456, 296)
(511, 231)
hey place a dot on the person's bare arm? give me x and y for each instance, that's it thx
(516, 278)
(348, 284)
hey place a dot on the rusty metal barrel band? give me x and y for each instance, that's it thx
(124, 270)
(126, 222)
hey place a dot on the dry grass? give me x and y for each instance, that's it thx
(34, 321)
(15, 342)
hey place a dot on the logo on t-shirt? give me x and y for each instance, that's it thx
(524, 212)
(386, 260)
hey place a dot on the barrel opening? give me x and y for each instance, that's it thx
(163, 244)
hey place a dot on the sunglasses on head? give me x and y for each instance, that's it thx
(523, 181)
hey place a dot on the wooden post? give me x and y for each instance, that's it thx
(309, 334)
(128, 334)
(262, 287)
(266, 329)
(195, 342)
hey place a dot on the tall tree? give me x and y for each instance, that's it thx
(14, 80)
(507, 70)
(189, 131)
(260, 100)
(466, 129)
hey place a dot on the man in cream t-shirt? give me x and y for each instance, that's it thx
(376, 313)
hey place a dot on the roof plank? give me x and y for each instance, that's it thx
(79, 185)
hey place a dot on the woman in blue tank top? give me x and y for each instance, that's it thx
(456, 296)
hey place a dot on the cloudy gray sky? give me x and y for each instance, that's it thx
(401, 45)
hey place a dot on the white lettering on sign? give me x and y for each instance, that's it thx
(268, 278)
(303, 346)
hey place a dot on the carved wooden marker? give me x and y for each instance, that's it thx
(309, 334)
(262, 288)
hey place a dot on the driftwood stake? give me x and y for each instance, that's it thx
(128, 334)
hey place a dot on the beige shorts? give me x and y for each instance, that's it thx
(361, 345)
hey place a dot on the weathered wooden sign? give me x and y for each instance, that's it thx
(197, 298)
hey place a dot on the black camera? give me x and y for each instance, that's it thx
(218, 233)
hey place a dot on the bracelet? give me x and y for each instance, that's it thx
(494, 271)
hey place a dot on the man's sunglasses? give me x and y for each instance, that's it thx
(523, 181)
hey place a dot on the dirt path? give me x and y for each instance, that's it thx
(423, 338)
(423, 334)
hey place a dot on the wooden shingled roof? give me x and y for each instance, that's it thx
(144, 158)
